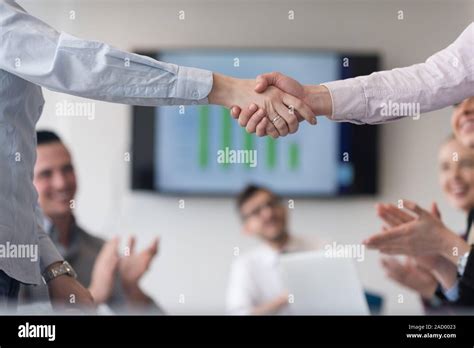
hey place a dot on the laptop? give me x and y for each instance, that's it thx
(320, 285)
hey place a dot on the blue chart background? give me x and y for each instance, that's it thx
(177, 147)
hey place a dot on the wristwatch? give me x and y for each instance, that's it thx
(63, 268)
(462, 262)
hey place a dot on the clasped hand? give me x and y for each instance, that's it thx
(273, 104)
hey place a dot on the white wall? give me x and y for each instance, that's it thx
(197, 242)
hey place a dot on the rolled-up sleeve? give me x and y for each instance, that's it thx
(446, 78)
(32, 50)
(47, 250)
(48, 253)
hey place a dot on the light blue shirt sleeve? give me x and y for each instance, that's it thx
(32, 50)
(452, 294)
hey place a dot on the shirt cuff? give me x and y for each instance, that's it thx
(348, 100)
(452, 294)
(48, 252)
(193, 84)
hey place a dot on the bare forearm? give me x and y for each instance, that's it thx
(445, 273)
(428, 291)
(66, 292)
(318, 99)
(222, 89)
(453, 246)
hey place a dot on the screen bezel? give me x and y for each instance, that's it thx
(360, 140)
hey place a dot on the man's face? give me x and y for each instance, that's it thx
(462, 122)
(265, 216)
(456, 174)
(54, 179)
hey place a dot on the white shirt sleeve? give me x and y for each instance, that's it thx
(239, 291)
(446, 78)
(33, 51)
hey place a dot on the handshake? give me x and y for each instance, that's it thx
(273, 104)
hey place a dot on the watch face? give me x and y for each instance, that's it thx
(70, 271)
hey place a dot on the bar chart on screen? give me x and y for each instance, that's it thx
(210, 150)
(240, 150)
(202, 149)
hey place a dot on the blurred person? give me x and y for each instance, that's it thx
(35, 55)
(456, 177)
(424, 236)
(255, 285)
(111, 279)
(445, 78)
(462, 121)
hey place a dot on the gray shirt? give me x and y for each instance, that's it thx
(34, 55)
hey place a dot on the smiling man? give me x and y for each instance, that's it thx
(113, 281)
(35, 55)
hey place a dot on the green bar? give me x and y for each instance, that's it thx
(248, 142)
(226, 131)
(294, 156)
(271, 153)
(203, 140)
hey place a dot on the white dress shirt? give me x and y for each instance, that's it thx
(446, 78)
(34, 55)
(255, 278)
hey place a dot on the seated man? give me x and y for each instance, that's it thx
(112, 280)
(255, 286)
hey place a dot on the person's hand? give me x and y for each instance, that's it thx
(273, 306)
(66, 293)
(282, 82)
(133, 265)
(440, 267)
(410, 275)
(394, 216)
(317, 98)
(424, 234)
(273, 107)
(104, 271)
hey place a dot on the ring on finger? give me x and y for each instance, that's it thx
(276, 118)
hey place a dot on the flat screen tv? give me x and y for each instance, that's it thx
(176, 149)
